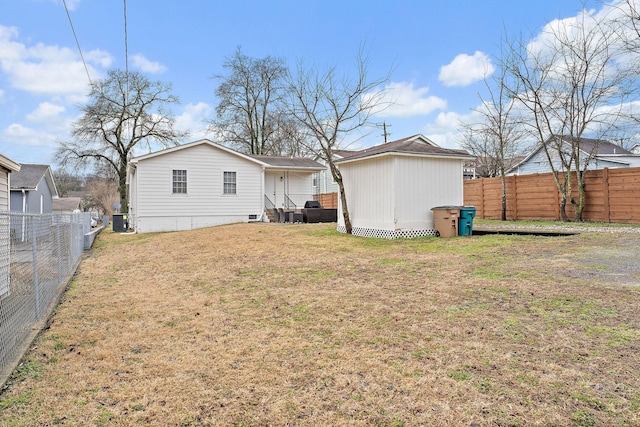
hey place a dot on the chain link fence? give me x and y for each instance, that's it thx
(37, 255)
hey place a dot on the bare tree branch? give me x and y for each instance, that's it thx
(125, 110)
(331, 107)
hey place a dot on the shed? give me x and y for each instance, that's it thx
(391, 188)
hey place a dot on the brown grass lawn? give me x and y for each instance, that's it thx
(297, 325)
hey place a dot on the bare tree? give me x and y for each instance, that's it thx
(568, 79)
(125, 110)
(498, 137)
(101, 193)
(67, 182)
(249, 113)
(331, 107)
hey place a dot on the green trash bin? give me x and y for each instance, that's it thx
(465, 222)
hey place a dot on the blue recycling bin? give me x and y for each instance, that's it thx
(465, 222)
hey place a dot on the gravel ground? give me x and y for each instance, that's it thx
(610, 258)
(569, 227)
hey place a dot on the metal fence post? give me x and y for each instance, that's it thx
(36, 276)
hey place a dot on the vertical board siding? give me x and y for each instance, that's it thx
(398, 192)
(369, 190)
(611, 195)
(424, 183)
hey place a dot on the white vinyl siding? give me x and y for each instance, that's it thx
(156, 208)
(4, 190)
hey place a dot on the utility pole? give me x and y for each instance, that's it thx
(384, 130)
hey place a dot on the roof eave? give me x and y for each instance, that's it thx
(9, 164)
(455, 156)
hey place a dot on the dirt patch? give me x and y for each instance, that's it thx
(257, 324)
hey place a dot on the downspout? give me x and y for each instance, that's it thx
(23, 226)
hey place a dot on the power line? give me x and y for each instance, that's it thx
(126, 43)
(77, 42)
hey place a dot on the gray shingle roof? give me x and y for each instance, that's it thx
(28, 176)
(599, 147)
(415, 144)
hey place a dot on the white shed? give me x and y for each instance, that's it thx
(202, 184)
(391, 188)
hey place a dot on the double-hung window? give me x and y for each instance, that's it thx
(229, 183)
(179, 181)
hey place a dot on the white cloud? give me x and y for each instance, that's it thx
(45, 112)
(44, 69)
(147, 66)
(465, 70)
(446, 129)
(71, 4)
(406, 101)
(194, 120)
(19, 134)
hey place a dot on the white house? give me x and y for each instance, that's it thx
(391, 188)
(7, 166)
(594, 154)
(202, 184)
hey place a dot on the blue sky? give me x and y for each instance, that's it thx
(438, 51)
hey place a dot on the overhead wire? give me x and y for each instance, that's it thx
(126, 73)
(86, 69)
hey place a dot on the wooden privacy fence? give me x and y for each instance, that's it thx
(612, 195)
(327, 200)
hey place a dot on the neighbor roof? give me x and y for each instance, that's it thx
(599, 147)
(593, 147)
(66, 203)
(28, 177)
(413, 145)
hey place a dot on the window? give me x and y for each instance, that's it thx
(179, 181)
(229, 183)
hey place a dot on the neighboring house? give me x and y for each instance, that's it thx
(7, 167)
(635, 149)
(67, 204)
(391, 188)
(33, 189)
(594, 153)
(202, 184)
(323, 182)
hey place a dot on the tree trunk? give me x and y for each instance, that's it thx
(345, 210)
(122, 186)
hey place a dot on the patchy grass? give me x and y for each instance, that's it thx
(256, 324)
